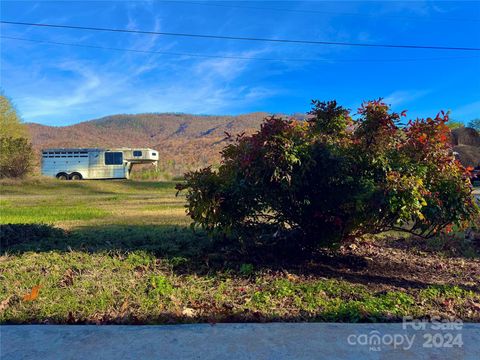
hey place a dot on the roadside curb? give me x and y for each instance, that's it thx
(238, 341)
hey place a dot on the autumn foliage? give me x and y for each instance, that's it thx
(333, 177)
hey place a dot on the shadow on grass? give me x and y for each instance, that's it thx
(449, 246)
(160, 240)
(166, 241)
(193, 252)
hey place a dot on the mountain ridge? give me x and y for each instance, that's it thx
(185, 141)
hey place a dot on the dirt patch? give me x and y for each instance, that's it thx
(408, 263)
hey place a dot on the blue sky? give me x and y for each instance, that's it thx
(62, 85)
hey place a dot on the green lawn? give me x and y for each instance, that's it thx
(90, 203)
(123, 252)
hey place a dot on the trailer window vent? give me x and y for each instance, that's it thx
(137, 153)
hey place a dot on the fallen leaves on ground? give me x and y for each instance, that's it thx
(5, 303)
(67, 279)
(475, 305)
(33, 294)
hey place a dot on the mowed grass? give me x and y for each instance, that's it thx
(48, 213)
(123, 252)
(83, 203)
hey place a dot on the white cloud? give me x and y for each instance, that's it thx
(118, 86)
(86, 83)
(404, 96)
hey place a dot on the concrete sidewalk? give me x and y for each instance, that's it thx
(240, 341)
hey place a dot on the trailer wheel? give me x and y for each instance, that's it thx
(75, 176)
(62, 176)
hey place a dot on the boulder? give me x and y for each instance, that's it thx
(468, 155)
(466, 136)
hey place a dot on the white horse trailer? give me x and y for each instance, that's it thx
(77, 164)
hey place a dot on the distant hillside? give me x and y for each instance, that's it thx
(186, 142)
(183, 141)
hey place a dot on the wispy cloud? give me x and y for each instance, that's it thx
(200, 86)
(467, 112)
(402, 97)
(86, 82)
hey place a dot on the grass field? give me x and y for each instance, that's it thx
(123, 252)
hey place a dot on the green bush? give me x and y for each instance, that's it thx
(322, 181)
(16, 154)
(16, 157)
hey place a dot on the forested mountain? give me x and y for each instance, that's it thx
(183, 141)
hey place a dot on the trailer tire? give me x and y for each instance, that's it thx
(62, 176)
(75, 176)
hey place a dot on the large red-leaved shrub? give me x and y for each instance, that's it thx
(330, 178)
